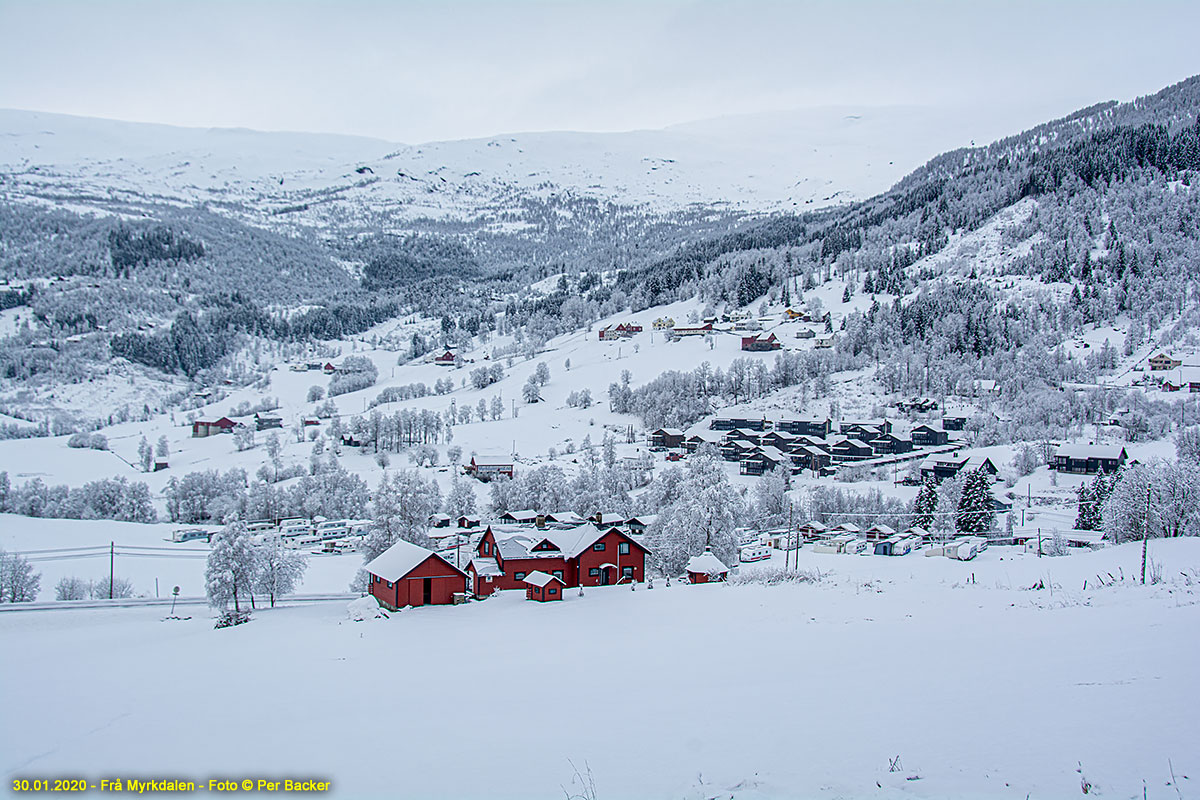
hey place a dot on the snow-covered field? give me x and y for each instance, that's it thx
(977, 685)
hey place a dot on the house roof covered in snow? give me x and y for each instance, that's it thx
(540, 579)
(400, 559)
(493, 461)
(706, 564)
(1085, 451)
(486, 567)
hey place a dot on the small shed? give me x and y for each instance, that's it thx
(543, 587)
(706, 567)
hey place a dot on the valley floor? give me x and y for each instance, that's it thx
(981, 686)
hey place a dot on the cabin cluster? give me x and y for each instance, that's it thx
(759, 444)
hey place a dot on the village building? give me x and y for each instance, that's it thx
(543, 587)
(956, 423)
(524, 517)
(693, 443)
(667, 437)
(1088, 459)
(409, 575)
(938, 468)
(812, 530)
(762, 460)
(929, 436)
(706, 568)
(446, 359)
(865, 430)
(759, 342)
(263, 422)
(851, 450)
(485, 468)
(692, 330)
(744, 423)
(1163, 361)
(624, 330)
(806, 427)
(201, 428)
(585, 555)
(889, 444)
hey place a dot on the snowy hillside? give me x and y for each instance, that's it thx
(801, 159)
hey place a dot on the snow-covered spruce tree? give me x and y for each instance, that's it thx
(924, 508)
(542, 373)
(976, 513)
(279, 569)
(163, 448)
(232, 565)
(401, 509)
(18, 582)
(1085, 515)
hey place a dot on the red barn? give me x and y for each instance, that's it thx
(201, 428)
(759, 342)
(583, 555)
(409, 575)
(543, 587)
(446, 359)
(706, 567)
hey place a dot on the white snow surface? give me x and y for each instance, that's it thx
(800, 159)
(980, 686)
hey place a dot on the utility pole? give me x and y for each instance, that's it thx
(1145, 535)
(112, 553)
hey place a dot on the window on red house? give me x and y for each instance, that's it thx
(598, 546)
(623, 548)
(554, 591)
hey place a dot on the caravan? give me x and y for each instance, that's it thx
(756, 552)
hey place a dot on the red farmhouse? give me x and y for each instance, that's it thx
(542, 587)
(581, 556)
(446, 359)
(408, 575)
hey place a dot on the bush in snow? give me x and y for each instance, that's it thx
(72, 589)
(91, 441)
(121, 587)
(316, 393)
(365, 608)
(772, 576)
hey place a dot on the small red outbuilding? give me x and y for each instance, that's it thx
(409, 575)
(706, 567)
(543, 587)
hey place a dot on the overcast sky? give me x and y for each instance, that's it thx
(414, 71)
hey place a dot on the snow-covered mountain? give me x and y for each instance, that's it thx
(764, 162)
